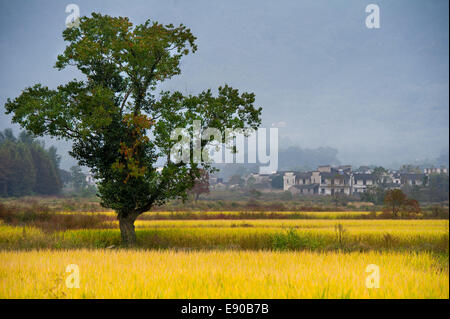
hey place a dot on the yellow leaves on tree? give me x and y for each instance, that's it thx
(129, 163)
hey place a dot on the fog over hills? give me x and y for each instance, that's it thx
(325, 80)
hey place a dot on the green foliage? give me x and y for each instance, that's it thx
(78, 178)
(410, 169)
(378, 173)
(26, 167)
(374, 194)
(291, 240)
(47, 176)
(17, 173)
(437, 188)
(277, 182)
(201, 185)
(287, 241)
(119, 127)
(340, 234)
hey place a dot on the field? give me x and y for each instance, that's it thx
(324, 255)
(220, 274)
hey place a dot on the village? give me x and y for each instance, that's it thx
(330, 180)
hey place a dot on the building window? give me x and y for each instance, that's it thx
(364, 182)
(322, 191)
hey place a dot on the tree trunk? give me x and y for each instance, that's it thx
(126, 225)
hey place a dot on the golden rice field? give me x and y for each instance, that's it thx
(220, 274)
(359, 235)
(230, 258)
(358, 225)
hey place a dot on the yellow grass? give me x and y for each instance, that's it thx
(230, 259)
(350, 225)
(220, 274)
(412, 235)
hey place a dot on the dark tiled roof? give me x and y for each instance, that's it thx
(412, 176)
(364, 177)
(307, 186)
(335, 175)
(301, 175)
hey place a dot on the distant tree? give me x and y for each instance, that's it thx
(78, 178)
(54, 157)
(26, 167)
(411, 207)
(236, 180)
(374, 194)
(410, 169)
(27, 139)
(7, 135)
(277, 182)
(65, 176)
(255, 194)
(339, 199)
(250, 182)
(414, 191)
(201, 185)
(437, 189)
(395, 199)
(46, 163)
(48, 181)
(17, 172)
(378, 174)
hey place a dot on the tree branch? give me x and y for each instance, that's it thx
(124, 100)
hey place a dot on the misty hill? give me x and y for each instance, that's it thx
(290, 158)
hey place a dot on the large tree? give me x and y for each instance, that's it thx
(119, 126)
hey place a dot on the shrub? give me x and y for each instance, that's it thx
(439, 212)
(287, 241)
(41, 216)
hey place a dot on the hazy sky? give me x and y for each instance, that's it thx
(377, 95)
